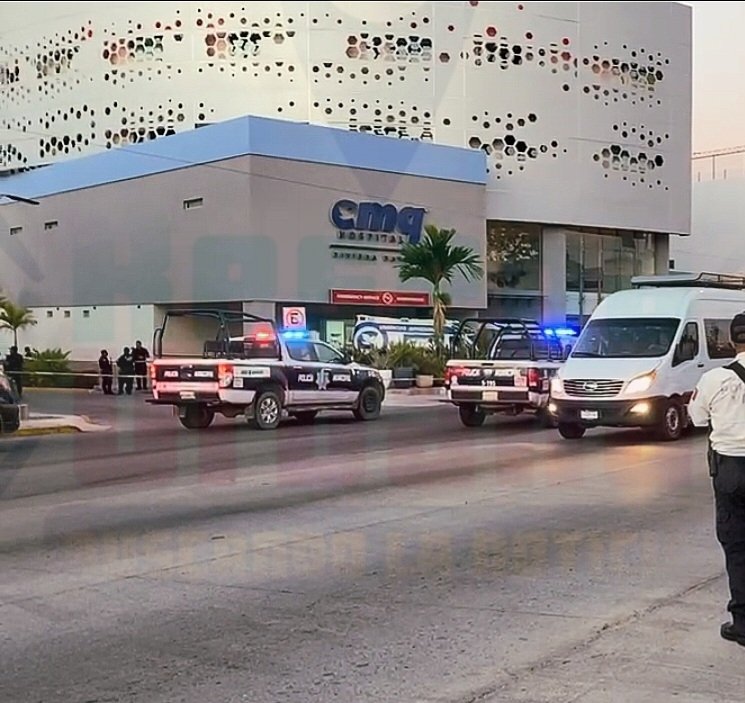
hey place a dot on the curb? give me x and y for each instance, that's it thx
(36, 431)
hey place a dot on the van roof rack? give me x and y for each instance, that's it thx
(690, 280)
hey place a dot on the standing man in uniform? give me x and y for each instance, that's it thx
(14, 369)
(719, 401)
(141, 355)
(107, 372)
(126, 365)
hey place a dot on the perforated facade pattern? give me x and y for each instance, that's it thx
(583, 109)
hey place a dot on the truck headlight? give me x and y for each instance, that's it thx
(557, 386)
(640, 383)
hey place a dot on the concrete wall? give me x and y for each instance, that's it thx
(69, 328)
(584, 108)
(262, 233)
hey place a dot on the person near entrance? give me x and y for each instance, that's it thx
(719, 402)
(141, 355)
(126, 366)
(14, 369)
(107, 372)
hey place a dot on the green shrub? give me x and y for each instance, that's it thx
(48, 361)
(431, 361)
(403, 355)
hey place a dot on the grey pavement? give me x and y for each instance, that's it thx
(408, 559)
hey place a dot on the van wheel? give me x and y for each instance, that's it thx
(471, 415)
(267, 411)
(672, 424)
(571, 431)
(197, 417)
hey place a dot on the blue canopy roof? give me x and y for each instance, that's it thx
(255, 136)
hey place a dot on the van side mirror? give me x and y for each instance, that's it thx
(685, 351)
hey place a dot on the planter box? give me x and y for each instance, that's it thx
(403, 377)
(387, 376)
(425, 381)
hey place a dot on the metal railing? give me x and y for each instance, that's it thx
(718, 165)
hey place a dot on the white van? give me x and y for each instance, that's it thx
(643, 351)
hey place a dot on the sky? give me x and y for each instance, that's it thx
(718, 80)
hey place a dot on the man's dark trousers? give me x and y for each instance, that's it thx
(728, 476)
(106, 383)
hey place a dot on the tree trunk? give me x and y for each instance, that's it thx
(438, 316)
(15, 337)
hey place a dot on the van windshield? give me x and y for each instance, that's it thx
(627, 338)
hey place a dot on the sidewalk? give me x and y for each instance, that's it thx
(43, 424)
(414, 397)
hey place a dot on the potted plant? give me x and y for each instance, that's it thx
(402, 357)
(430, 365)
(380, 360)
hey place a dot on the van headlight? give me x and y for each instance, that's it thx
(557, 386)
(640, 383)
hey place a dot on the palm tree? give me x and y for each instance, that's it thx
(14, 317)
(436, 260)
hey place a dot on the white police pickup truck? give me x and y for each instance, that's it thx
(503, 366)
(250, 370)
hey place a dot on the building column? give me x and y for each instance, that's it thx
(554, 275)
(661, 253)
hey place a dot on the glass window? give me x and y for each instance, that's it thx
(574, 259)
(637, 337)
(645, 255)
(302, 351)
(718, 343)
(687, 348)
(326, 354)
(606, 263)
(513, 256)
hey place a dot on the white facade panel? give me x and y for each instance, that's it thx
(584, 108)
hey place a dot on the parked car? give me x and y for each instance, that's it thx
(10, 411)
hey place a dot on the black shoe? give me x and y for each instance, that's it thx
(732, 634)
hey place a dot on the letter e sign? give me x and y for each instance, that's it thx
(293, 318)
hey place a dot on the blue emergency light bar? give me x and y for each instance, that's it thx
(559, 332)
(294, 334)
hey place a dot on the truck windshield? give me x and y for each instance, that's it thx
(627, 338)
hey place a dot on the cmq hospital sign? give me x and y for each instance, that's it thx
(370, 231)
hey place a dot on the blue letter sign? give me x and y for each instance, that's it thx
(376, 217)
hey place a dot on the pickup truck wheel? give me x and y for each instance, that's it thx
(368, 405)
(672, 423)
(471, 415)
(306, 417)
(571, 431)
(267, 410)
(197, 417)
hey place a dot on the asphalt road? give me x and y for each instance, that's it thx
(408, 559)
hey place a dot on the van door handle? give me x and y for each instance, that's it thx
(700, 366)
